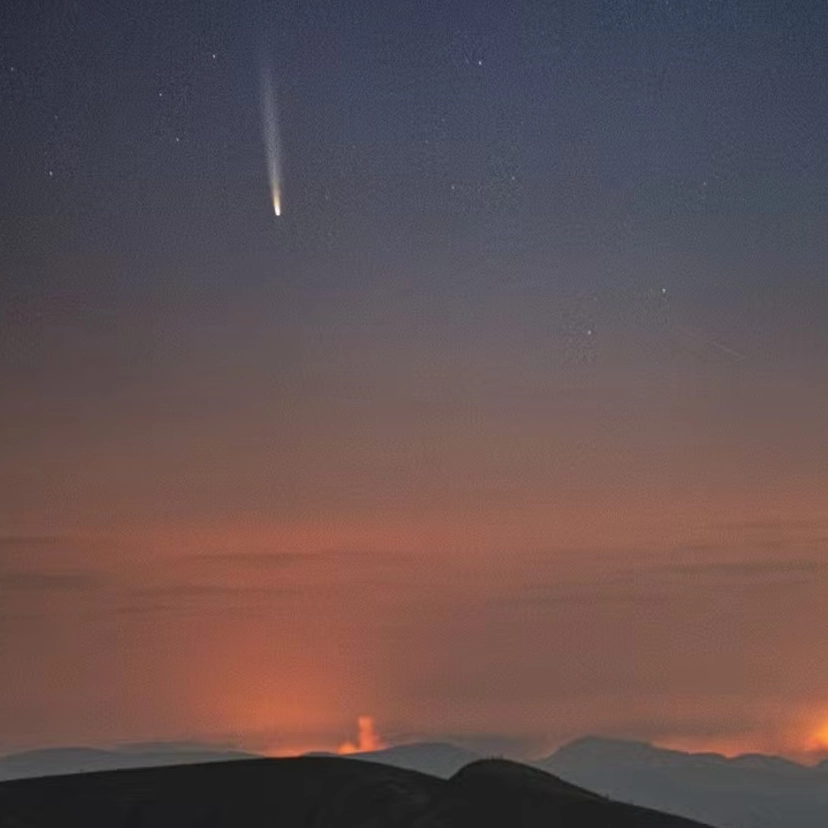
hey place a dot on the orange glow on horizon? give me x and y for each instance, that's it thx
(724, 747)
(806, 745)
(367, 738)
(819, 741)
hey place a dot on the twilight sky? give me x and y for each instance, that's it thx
(509, 429)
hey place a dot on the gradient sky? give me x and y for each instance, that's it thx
(511, 428)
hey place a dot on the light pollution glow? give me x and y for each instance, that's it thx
(367, 738)
(272, 142)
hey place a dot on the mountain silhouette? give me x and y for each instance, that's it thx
(750, 791)
(316, 792)
(54, 761)
(436, 758)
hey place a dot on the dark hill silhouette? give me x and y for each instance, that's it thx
(497, 792)
(315, 792)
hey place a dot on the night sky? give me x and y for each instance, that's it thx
(510, 428)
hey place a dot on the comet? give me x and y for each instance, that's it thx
(270, 134)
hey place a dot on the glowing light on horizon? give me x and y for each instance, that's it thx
(367, 738)
(272, 139)
(819, 741)
(728, 747)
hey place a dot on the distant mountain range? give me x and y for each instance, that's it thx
(435, 758)
(58, 761)
(745, 792)
(316, 792)
(751, 791)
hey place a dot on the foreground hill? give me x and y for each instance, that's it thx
(315, 792)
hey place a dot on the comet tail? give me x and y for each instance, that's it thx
(272, 142)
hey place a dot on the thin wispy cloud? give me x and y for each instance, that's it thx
(143, 609)
(34, 581)
(619, 589)
(283, 560)
(662, 582)
(208, 591)
(749, 568)
(27, 541)
(199, 598)
(259, 560)
(778, 526)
